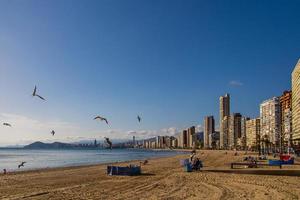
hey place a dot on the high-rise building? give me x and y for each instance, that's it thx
(253, 134)
(286, 118)
(270, 123)
(214, 140)
(235, 130)
(133, 140)
(224, 137)
(174, 142)
(191, 137)
(224, 112)
(209, 129)
(158, 142)
(184, 139)
(179, 141)
(296, 103)
(242, 139)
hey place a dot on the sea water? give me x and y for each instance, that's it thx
(40, 159)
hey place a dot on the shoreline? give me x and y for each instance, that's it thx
(77, 165)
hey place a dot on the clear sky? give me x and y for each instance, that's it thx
(168, 61)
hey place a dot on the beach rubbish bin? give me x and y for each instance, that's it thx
(188, 167)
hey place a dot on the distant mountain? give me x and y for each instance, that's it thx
(54, 145)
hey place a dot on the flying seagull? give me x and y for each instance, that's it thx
(53, 132)
(101, 118)
(34, 94)
(7, 124)
(21, 165)
(139, 118)
(108, 142)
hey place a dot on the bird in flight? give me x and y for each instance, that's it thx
(108, 142)
(139, 118)
(101, 118)
(6, 124)
(34, 94)
(21, 165)
(53, 132)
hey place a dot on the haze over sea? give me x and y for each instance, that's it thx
(38, 159)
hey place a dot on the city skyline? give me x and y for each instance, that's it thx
(168, 62)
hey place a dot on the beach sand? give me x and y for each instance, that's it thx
(162, 178)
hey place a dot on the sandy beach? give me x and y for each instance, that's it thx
(162, 178)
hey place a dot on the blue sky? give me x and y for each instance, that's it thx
(168, 61)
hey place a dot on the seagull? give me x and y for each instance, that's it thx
(34, 94)
(101, 118)
(108, 142)
(139, 118)
(7, 124)
(21, 165)
(53, 132)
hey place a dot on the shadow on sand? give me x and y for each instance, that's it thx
(146, 174)
(281, 172)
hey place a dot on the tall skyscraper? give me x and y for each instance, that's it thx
(180, 140)
(242, 139)
(253, 134)
(235, 130)
(270, 123)
(184, 139)
(209, 129)
(174, 142)
(296, 103)
(225, 131)
(286, 118)
(133, 140)
(158, 142)
(191, 137)
(224, 113)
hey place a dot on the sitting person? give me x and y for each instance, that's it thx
(253, 164)
(192, 157)
(145, 162)
(197, 164)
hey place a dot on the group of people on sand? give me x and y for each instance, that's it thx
(195, 161)
(252, 161)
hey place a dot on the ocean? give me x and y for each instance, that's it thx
(41, 159)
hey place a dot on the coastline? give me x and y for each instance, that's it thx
(162, 178)
(94, 158)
